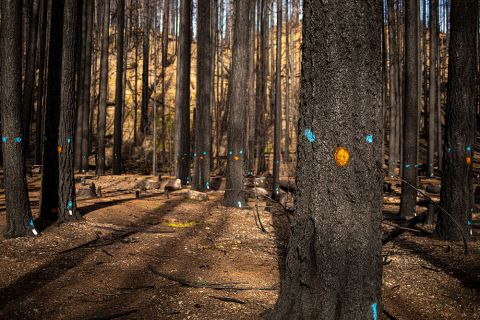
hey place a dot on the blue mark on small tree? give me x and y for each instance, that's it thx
(239, 204)
(18, 139)
(370, 138)
(4, 139)
(469, 149)
(374, 309)
(309, 134)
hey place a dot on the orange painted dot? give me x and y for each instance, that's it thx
(201, 158)
(176, 161)
(469, 160)
(54, 210)
(59, 149)
(341, 156)
(183, 158)
(236, 158)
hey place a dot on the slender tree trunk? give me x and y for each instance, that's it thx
(118, 131)
(410, 112)
(182, 98)
(433, 88)
(82, 31)
(278, 105)
(425, 72)
(251, 90)
(439, 104)
(234, 196)
(102, 118)
(459, 123)
(393, 138)
(340, 278)
(19, 215)
(146, 48)
(203, 120)
(135, 98)
(86, 86)
(261, 92)
(30, 75)
(41, 83)
(154, 147)
(286, 158)
(166, 14)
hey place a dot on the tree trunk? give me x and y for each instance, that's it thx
(57, 199)
(82, 31)
(86, 87)
(234, 196)
(286, 157)
(166, 11)
(203, 120)
(410, 112)
(182, 96)
(102, 118)
(146, 48)
(118, 131)
(278, 105)
(393, 138)
(41, 83)
(261, 92)
(459, 122)
(251, 90)
(30, 75)
(19, 215)
(333, 266)
(432, 90)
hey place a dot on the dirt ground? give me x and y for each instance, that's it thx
(137, 250)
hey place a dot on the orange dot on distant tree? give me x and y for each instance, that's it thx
(341, 156)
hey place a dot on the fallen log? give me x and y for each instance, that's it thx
(408, 224)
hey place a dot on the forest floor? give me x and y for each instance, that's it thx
(128, 239)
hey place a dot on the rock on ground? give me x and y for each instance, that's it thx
(174, 185)
(197, 196)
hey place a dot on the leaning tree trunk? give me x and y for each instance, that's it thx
(203, 120)
(19, 215)
(102, 110)
(234, 195)
(459, 123)
(182, 98)
(334, 265)
(118, 132)
(410, 112)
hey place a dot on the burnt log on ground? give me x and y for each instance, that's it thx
(408, 224)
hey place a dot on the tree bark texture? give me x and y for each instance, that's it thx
(19, 215)
(234, 195)
(146, 49)
(251, 91)
(278, 105)
(393, 137)
(103, 88)
(58, 182)
(30, 74)
(459, 122)
(334, 267)
(83, 140)
(41, 83)
(432, 88)
(82, 30)
(203, 120)
(410, 111)
(182, 96)
(118, 130)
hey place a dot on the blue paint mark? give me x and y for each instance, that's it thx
(45, 138)
(431, 175)
(278, 161)
(188, 178)
(4, 139)
(414, 207)
(407, 166)
(239, 204)
(431, 164)
(31, 223)
(309, 134)
(393, 162)
(103, 158)
(469, 223)
(18, 139)
(184, 154)
(70, 204)
(204, 152)
(469, 149)
(178, 154)
(277, 190)
(230, 152)
(374, 309)
(68, 140)
(208, 186)
(249, 172)
(194, 154)
(241, 151)
(416, 166)
(449, 149)
(369, 138)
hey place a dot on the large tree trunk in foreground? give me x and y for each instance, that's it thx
(410, 111)
(457, 177)
(182, 96)
(57, 199)
(203, 120)
(234, 196)
(334, 267)
(17, 204)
